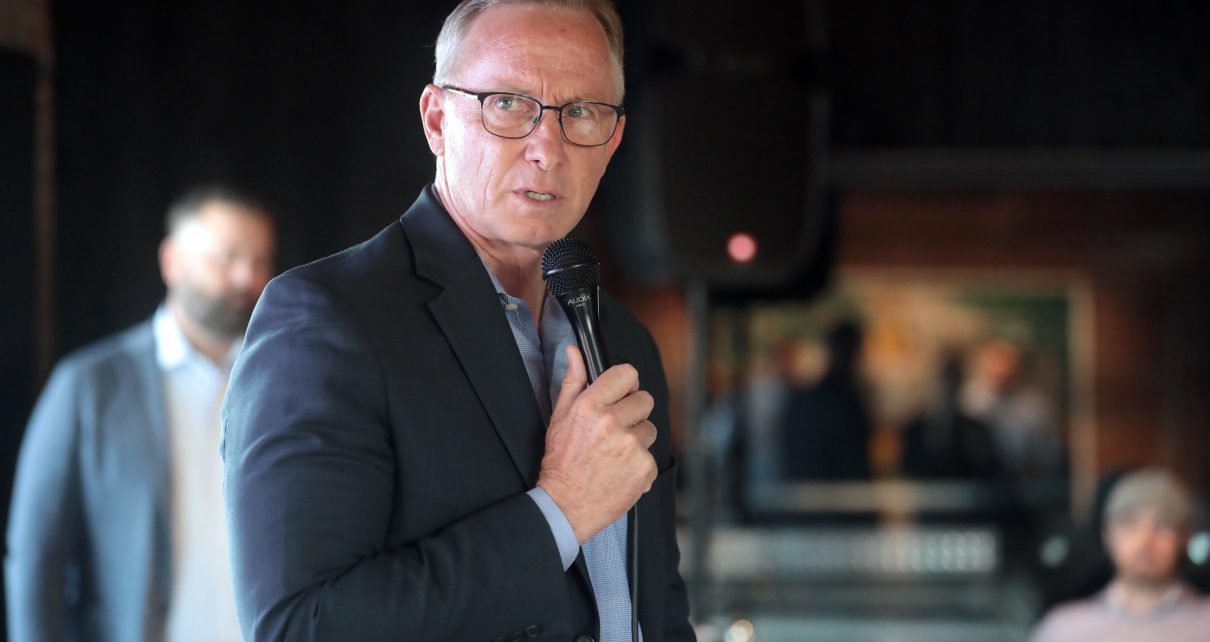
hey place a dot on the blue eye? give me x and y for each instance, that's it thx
(585, 111)
(508, 103)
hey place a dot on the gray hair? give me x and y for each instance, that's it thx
(458, 23)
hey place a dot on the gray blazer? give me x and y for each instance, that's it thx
(88, 548)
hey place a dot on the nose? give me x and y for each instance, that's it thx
(246, 273)
(545, 145)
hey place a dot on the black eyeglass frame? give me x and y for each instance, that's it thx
(482, 96)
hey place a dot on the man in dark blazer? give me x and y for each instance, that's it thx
(101, 546)
(410, 453)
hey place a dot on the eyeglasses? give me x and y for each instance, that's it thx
(584, 122)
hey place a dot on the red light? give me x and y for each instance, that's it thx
(741, 247)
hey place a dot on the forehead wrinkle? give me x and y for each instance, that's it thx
(505, 55)
(547, 77)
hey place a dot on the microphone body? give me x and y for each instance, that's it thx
(583, 310)
(573, 277)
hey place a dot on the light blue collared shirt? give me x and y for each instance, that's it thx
(545, 355)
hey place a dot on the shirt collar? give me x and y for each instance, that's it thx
(173, 350)
(492, 275)
(1175, 596)
(505, 297)
(550, 309)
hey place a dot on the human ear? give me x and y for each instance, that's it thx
(432, 118)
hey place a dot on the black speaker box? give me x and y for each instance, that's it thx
(722, 139)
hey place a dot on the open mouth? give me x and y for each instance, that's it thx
(539, 196)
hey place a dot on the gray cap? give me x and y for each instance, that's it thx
(1151, 488)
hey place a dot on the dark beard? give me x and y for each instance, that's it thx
(222, 317)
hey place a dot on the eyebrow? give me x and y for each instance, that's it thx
(521, 92)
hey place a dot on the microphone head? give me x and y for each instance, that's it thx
(569, 264)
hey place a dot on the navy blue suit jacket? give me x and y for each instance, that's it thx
(88, 536)
(381, 434)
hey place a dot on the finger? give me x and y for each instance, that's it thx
(646, 432)
(574, 381)
(653, 471)
(614, 384)
(633, 408)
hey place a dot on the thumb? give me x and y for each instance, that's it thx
(573, 381)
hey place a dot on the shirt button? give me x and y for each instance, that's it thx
(533, 630)
(510, 306)
(585, 638)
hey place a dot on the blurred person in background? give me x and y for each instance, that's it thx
(117, 530)
(1148, 519)
(740, 433)
(766, 399)
(945, 442)
(745, 425)
(826, 427)
(1020, 415)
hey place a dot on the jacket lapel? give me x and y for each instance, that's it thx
(142, 349)
(468, 311)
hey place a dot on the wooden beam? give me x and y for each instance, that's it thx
(1083, 168)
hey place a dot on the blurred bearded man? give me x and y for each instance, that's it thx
(412, 449)
(117, 530)
(1148, 521)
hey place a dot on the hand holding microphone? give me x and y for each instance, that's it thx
(597, 463)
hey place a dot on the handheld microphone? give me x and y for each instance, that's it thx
(573, 276)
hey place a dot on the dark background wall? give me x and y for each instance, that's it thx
(315, 108)
(950, 73)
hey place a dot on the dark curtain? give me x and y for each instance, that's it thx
(315, 107)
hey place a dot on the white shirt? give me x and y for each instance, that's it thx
(1182, 616)
(202, 606)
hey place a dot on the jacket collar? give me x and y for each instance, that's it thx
(467, 309)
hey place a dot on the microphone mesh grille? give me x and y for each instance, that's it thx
(569, 264)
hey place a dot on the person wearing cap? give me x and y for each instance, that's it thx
(1148, 520)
